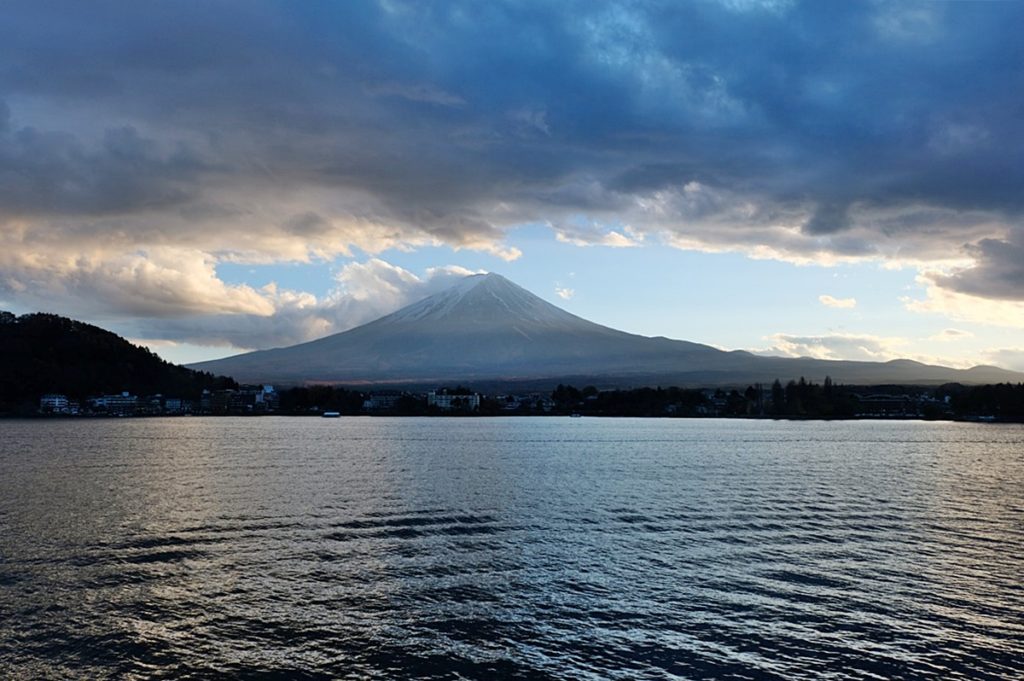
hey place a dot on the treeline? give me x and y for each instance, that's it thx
(590, 401)
(805, 399)
(795, 399)
(46, 353)
(1004, 401)
(320, 398)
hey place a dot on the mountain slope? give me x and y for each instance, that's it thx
(42, 353)
(485, 328)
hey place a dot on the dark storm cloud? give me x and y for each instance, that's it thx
(998, 271)
(828, 218)
(52, 173)
(461, 119)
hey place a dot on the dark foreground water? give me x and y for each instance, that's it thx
(494, 548)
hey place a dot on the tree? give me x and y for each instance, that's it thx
(778, 398)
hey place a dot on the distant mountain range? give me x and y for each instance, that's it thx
(487, 331)
(45, 353)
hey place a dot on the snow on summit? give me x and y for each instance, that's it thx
(482, 298)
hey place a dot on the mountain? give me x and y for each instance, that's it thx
(489, 331)
(44, 353)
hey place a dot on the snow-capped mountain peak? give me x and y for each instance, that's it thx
(485, 328)
(482, 298)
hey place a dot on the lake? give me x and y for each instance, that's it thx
(540, 548)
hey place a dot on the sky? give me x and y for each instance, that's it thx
(825, 179)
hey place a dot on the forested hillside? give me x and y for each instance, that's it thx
(46, 353)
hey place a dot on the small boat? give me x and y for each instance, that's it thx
(331, 414)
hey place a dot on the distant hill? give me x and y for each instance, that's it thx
(487, 331)
(45, 353)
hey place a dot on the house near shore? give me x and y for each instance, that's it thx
(447, 400)
(54, 404)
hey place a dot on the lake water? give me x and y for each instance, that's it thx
(540, 548)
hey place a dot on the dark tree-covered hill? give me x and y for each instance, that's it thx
(45, 353)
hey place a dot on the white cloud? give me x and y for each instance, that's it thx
(963, 307)
(837, 346)
(858, 347)
(158, 282)
(365, 291)
(596, 237)
(1008, 358)
(564, 293)
(951, 335)
(842, 303)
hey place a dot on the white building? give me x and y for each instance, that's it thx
(124, 403)
(54, 404)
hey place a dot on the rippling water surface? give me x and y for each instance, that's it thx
(495, 548)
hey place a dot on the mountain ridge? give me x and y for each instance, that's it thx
(486, 328)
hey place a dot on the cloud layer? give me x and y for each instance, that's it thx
(364, 292)
(142, 144)
(838, 346)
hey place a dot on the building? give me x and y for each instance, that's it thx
(446, 401)
(121, 405)
(254, 399)
(54, 404)
(382, 401)
(886, 405)
(221, 401)
(249, 399)
(176, 405)
(265, 399)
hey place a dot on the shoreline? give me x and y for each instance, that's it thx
(982, 419)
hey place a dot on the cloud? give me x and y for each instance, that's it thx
(997, 271)
(1009, 358)
(564, 293)
(951, 335)
(909, 22)
(48, 173)
(857, 347)
(697, 216)
(365, 291)
(837, 346)
(951, 139)
(842, 303)
(421, 92)
(136, 135)
(158, 282)
(963, 307)
(584, 236)
(828, 218)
